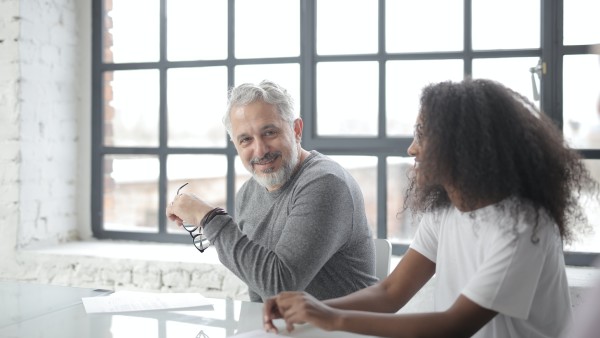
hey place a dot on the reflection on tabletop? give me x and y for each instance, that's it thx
(46, 311)
(227, 318)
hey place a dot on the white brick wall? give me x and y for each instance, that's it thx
(212, 280)
(9, 130)
(48, 114)
(44, 160)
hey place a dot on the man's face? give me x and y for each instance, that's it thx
(267, 146)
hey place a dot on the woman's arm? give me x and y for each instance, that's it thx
(463, 319)
(413, 271)
(391, 294)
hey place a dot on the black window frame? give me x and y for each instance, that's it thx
(551, 52)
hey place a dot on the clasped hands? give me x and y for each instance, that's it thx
(299, 308)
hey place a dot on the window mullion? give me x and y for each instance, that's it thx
(551, 83)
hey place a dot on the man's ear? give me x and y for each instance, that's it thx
(298, 127)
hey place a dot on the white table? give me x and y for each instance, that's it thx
(23, 301)
(44, 311)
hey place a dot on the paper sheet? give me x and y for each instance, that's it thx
(125, 301)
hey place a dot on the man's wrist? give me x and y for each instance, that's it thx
(210, 215)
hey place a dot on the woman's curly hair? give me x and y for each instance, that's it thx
(490, 142)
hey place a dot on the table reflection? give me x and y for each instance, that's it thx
(32, 311)
(219, 320)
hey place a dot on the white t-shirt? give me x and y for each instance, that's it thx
(489, 257)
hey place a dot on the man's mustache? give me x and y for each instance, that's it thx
(270, 156)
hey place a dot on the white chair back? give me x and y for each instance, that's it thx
(383, 256)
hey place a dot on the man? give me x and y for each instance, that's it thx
(300, 221)
(496, 189)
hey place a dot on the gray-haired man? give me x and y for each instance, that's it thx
(300, 221)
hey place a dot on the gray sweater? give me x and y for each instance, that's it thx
(311, 234)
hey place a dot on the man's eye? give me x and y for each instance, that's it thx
(270, 132)
(244, 140)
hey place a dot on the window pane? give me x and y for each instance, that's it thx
(400, 226)
(512, 72)
(197, 98)
(131, 108)
(405, 81)
(439, 23)
(128, 42)
(581, 22)
(508, 24)
(581, 100)
(196, 30)
(206, 175)
(285, 75)
(131, 193)
(589, 241)
(347, 26)
(364, 171)
(347, 108)
(261, 33)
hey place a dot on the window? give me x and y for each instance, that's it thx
(356, 69)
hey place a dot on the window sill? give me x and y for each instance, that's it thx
(579, 277)
(128, 265)
(130, 250)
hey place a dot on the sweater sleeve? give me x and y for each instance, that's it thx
(318, 222)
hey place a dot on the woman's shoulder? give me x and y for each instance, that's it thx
(520, 216)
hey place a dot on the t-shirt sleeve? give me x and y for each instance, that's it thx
(426, 238)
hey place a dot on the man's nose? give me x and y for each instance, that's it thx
(260, 148)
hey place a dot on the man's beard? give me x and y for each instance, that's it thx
(279, 177)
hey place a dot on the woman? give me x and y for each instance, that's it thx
(496, 189)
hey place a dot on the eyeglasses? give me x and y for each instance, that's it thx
(418, 133)
(200, 241)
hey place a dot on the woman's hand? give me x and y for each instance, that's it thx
(299, 308)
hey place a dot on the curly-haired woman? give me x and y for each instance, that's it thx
(497, 192)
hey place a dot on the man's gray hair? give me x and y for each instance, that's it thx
(266, 91)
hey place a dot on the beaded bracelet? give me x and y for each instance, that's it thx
(211, 214)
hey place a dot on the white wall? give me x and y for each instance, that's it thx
(49, 109)
(39, 91)
(10, 160)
